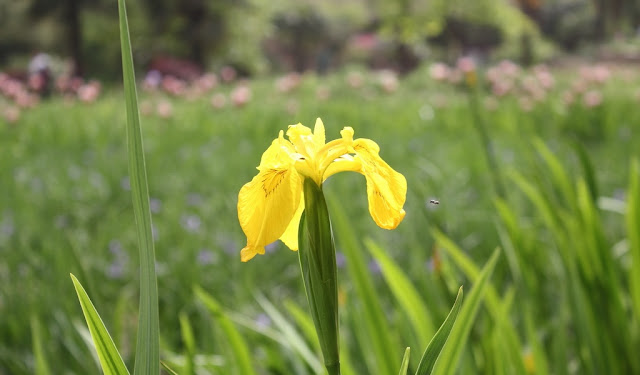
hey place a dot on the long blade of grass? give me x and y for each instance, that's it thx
(42, 366)
(438, 341)
(404, 291)
(148, 342)
(404, 366)
(448, 361)
(560, 177)
(305, 324)
(110, 358)
(373, 318)
(186, 332)
(298, 343)
(168, 369)
(587, 169)
(633, 233)
(239, 347)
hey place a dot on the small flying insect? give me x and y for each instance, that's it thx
(433, 201)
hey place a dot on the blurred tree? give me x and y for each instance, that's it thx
(456, 24)
(572, 22)
(67, 13)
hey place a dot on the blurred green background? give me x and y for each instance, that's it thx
(520, 117)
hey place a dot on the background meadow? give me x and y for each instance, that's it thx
(536, 160)
(66, 208)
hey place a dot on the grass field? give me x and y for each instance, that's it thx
(559, 201)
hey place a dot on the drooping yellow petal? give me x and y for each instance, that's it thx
(386, 188)
(290, 235)
(270, 200)
(266, 206)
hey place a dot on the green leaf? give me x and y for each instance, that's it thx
(42, 366)
(148, 343)
(587, 168)
(404, 291)
(450, 355)
(168, 369)
(189, 344)
(560, 177)
(110, 358)
(292, 336)
(633, 233)
(239, 347)
(317, 255)
(438, 341)
(405, 362)
(375, 324)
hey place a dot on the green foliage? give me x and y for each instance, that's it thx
(148, 342)
(66, 207)
(110, 359)
(317, 254)
(438, 341)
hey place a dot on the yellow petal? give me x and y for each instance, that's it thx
(278, 155)
(386, 188)
(302, 139)
(318, 134)
(266, 206)
(290, 235)
(343, 164)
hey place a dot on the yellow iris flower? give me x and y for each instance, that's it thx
(271, 204)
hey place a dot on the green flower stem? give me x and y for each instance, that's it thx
(317, 255)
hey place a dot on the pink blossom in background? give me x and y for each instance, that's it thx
(509, 68)
(173, 85)
(164, 109)
(218, 100)
(228, 74)
(207, 82)
(388, 80)
(601, 73)
(241, 95)
(439, 71)
(89, 92)
(501, 88)
(11, 114)
(466, 64)
(24, 99)
(288, 82)
(544, 76)
(364, 42)
(592, 98)
(37, 82)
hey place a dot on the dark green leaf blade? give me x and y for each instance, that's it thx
(148, 343)
(110, 358)
(405, 362)
(439, 339)
(451, 353)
